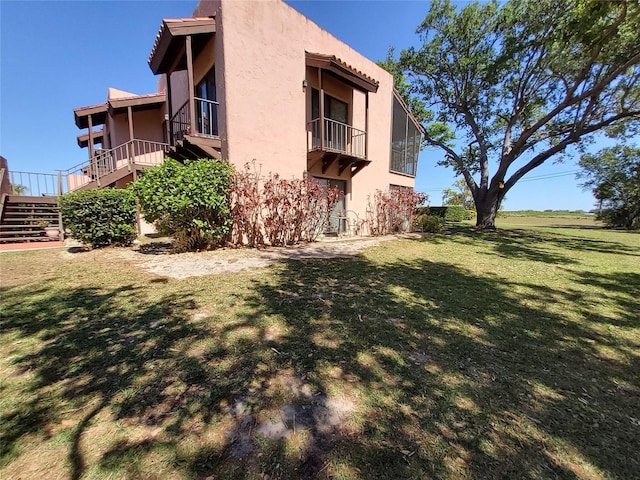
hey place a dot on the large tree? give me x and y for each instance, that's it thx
(613, 175)
(508, 86)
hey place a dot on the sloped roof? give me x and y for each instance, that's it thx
(116, 99)
(342, 69)
(166, 46)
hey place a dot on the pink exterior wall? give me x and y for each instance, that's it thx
(260, 71)
(147, 125)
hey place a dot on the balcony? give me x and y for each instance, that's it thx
(337, 137)
(331, 141)
(206, 120)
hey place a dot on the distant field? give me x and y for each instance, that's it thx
(516, 221)
(547, 214)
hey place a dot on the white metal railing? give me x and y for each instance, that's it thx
(34, 184)
(206, 120)
(104, 162)
(338, 137)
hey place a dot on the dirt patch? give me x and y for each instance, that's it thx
(185, 265)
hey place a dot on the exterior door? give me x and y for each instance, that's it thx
(337, 220)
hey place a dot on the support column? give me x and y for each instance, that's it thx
(90, 122)
(169, 108)
(321, 108)
(366, 125)
(130, 149)
(192, 88)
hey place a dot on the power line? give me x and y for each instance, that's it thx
(548, 176)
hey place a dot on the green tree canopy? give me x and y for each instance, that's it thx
(613, 175)
(508, 86)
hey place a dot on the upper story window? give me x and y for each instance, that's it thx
(405, 141)
(206, 105)
(334, 109)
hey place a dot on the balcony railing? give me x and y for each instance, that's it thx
(206, 120)
(338, 137)
(35, 184)
(104, 162)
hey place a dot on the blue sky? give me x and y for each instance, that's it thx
(58, 55)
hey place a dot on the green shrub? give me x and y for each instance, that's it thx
(422, 210)
(428, 223)
(189, 201)
(99, 218)
(450, 213)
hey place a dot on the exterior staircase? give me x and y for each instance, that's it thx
(28, 219)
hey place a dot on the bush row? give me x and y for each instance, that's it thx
(100, 217)
(450, 213)
(205, 203)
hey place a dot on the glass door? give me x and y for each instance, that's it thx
(337, 218)
(206, 105)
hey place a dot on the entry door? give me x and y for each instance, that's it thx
(337, 220)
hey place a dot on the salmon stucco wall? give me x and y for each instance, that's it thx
(147, 125)
(262, 66)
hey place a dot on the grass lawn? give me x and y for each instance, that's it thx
(463, 355)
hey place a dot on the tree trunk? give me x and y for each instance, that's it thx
(486, 209)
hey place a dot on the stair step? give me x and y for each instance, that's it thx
(13, 206)
(22, 226)
(32, 214)
(13, 228)
(22, 232)
(28, 239)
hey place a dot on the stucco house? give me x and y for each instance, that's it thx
(244, 80)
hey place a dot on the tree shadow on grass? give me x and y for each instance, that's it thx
(92, 344)
(534, 246)
(332, 368)
(450, 373)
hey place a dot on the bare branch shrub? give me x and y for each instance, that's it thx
(278, 211)
(393, 211)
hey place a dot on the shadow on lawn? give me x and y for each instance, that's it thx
(461, 376)
(534, 246)
(94, 344)
(339, 368)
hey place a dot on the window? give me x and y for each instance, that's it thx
(334, 109)
(405, 141)
(336, 115)
(206, 105)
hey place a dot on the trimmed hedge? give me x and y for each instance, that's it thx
(428, 223)
(99, 218)
(450, 213)
(189, 200)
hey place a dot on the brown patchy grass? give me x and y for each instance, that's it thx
(463, 355)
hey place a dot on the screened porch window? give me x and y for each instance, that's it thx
(405, 141)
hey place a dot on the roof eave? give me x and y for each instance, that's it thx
(169, 30)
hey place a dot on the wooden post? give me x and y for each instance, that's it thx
(130, 148)
(169, 108)
(321, 108)
(90, 122)
(60, 225)
(366, 125)
(59, 182)
(192, 88)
